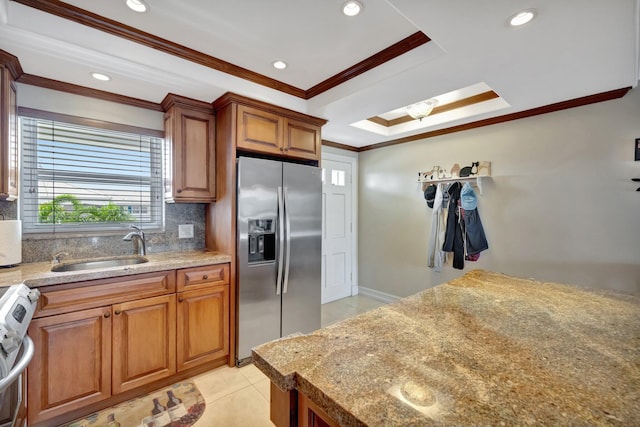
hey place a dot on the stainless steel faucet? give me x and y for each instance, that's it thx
(58, 257)
(138, 237)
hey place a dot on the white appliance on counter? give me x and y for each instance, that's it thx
(17, 306)
(10, 242)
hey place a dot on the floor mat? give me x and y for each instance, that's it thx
(179, 405)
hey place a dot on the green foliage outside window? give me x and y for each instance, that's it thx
(57, 211)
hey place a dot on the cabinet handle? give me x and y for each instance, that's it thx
(179, 190)
(281, 148)
(107, 315)
(180, 299)
(286, 148)
(205, 277)
(117, 312)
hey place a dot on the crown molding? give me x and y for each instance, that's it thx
(326, 143)
(558, 106)
(403, 46)
(46, 83)
(118, 29)
(11, 63)
(465, 102)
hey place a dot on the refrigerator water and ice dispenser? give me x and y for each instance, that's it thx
(262, 240)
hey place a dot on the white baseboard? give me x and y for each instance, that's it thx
(377, 295)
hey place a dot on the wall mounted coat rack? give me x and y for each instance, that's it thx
(473, 174)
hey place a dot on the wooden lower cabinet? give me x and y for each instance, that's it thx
(144, 342)
(88, 356)
(71, 367)
(293, 409)
(203, 325)
(310, 414)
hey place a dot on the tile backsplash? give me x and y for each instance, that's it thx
(42, 249)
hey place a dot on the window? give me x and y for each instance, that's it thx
(80, 176)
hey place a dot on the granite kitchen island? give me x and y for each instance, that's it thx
(484, 349)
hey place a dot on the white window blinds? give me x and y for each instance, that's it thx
(81, 178)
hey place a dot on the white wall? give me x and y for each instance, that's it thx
(560, 205)
(91, 108)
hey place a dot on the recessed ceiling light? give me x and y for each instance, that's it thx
(280, 65)
(137, 5)
(352, 8)
(522, 18)
(101, 77)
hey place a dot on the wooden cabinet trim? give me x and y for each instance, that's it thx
(76, 296)
(233, 98)
(9, 179)
(172, 100)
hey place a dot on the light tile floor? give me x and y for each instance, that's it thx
(239, 397)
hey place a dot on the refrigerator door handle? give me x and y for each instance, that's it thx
(288, 240)
(280, 240)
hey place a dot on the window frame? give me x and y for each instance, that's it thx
(30, 221)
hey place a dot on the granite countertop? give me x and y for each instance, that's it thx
(484, 349)
(39, 274)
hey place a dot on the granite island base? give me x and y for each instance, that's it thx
(484, 349)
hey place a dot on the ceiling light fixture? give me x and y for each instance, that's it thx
(352, 8)
(421, 109)
(137, 5)
(101, 77)
(522, 18)
(280, 65)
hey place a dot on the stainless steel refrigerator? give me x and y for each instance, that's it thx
(279, 226)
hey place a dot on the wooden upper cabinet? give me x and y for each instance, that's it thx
(189, 127)
(259, 130)
(264, 128)
(302, 139)
(9, 71)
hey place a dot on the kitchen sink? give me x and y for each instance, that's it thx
(98, 263)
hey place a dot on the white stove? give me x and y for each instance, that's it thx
(17, 306)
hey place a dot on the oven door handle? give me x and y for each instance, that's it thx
(20, 365)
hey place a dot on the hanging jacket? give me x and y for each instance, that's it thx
(454, 237)
(436, 257)
(475, 239)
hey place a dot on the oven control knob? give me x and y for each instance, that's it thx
(10, 342)
(33, 296)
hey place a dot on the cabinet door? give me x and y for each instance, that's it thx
(144, 341)
(302, 140)
(310, 414)
(8, 137)
(203, 326)
(259, 130)
(193, 139)
(71, 367)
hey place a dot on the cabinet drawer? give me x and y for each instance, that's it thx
(76, 296)
(202, 277)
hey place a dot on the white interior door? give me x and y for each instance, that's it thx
(337, 230)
